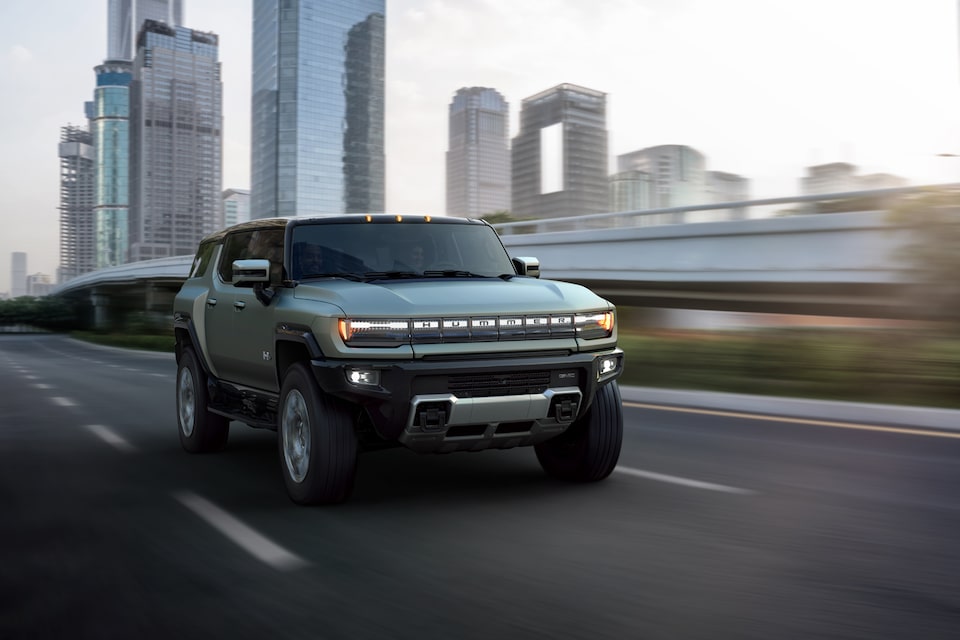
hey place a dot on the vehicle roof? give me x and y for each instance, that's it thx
(353, 218)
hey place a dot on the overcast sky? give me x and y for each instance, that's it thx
(762, 87)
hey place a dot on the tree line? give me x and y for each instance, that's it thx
(49, 312)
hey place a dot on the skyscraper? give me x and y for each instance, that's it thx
(236, 206)
(631, 191)
(110, 125)
(559, 157)
(125, 17)
(678, 173)
(18, 274)
(478, 154)
(175, 140)
(317, 107)
(100, 238)
(77, 197)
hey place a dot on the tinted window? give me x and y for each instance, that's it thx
(202, 260)
(233, 249)
(259, 244)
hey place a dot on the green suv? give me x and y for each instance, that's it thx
(353, 332)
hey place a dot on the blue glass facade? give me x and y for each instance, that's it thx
(110, 124)
(318, 107)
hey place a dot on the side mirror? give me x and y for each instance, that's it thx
(527, 266)
(251, 271)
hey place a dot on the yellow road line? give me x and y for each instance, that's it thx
(809, 421)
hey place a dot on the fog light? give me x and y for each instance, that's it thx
(366, 377)
(608, 365)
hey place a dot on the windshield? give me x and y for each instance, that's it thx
(400, 250)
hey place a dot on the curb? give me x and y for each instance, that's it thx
(854, 412)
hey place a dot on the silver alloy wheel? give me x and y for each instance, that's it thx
(295, 431)
(187, 401)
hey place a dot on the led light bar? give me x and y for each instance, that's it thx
(391, 332)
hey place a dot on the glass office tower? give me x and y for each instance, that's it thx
(77, 177)
(110, 124)
(125, 17)
(478, 154)
(317, 107)
(176, 122)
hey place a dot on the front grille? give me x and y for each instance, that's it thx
(498, 384)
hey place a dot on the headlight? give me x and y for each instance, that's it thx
(594, 325)
(374, 333)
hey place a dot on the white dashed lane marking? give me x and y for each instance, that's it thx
(110, 437)
(685, 482)
(63, 402)
(250, 540)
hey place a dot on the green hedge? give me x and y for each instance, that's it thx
(865, 366)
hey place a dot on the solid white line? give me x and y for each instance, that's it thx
(922, 431)
(111, 438)
(248, 539)
(686, 482)
(63, 402)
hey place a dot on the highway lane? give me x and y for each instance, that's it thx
(751, 529)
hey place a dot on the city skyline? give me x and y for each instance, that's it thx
(762, 89)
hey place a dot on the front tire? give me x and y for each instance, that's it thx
(200, 430)
(589, 449)
(316, 440)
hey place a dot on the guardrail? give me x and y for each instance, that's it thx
(176, 267)
(869, 200)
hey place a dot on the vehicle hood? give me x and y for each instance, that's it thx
(451, 296)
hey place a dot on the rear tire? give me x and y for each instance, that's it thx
(316, 441)
(589, 449)
(200, 430)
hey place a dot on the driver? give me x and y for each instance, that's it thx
(311, 260)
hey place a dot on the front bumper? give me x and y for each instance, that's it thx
(447, 403)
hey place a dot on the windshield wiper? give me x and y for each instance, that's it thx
(453, 273)
(391, 275)
(346, 275)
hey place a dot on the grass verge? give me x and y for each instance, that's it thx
(128, 340)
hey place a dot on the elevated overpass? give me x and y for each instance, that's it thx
(776, 255)
(845, 264)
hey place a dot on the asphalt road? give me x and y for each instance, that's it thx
(713, 526)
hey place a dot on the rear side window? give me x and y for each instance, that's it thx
(233, 249)
(202, 260)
